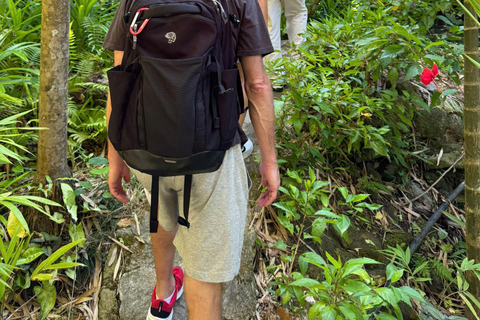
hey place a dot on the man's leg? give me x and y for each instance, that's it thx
(274, 28)
(296, 14)
(163, 253)
(203, 299)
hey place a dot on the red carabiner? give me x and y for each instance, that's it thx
(136, 33)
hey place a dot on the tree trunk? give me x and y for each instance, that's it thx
(53, 99)
(472, 149)
(53, 109)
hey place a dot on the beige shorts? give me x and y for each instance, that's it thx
(211, 248)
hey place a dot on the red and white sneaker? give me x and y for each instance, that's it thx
(159, 309)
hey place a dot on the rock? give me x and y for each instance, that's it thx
(108, 305)
(395, 238)
(439, 124)
(414, 190)
(445, 133)
(447, 159)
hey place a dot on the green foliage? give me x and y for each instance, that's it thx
(343, 96)
(11, 137)
(347, 292)
(19, 253)
(90, 22)
(416, 13)
(308, 203)
(403, 258)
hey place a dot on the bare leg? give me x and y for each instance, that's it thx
(241, 119)
(163, 253)
(203, 299)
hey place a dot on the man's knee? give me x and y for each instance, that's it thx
(200, 290)
(203, 299)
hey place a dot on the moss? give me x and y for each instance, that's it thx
(399, 238)
(365, 184)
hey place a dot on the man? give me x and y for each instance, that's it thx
(296, 14)
(211, 248)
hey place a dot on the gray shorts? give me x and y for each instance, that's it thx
(211, 248)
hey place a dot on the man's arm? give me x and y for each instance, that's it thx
(262, 113)
(117, 168)
(264, 7)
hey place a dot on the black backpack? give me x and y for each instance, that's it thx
(176, 97)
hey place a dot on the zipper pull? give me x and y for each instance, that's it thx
(135, 27)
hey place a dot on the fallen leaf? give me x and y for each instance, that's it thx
(283, 313)
(117, 266)
(124, 223)
(379, 215)
(113, 256)
(440, 155)
(120, 244)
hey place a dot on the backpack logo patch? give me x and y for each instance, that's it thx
(171, 36)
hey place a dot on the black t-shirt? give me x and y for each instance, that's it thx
(251, 36)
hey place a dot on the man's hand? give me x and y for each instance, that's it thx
(271, 180)
(118, 170)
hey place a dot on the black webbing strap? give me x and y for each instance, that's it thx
(154, 205)
(187, 190)
(171, 9)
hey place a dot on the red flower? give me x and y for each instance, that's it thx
(428, 75)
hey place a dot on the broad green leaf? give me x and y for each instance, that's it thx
(326, 213)
(328, 313)
(286, 297)
(387, 295)
(392, 51)
(304, 282)
(86, 185)
(29, 255)
(98, 161)
(393, 76)
(336, 264)
(76, 233)
(360, 197)
(303, 265)
(99, 171)
(385, 316)
(325, 200)
(344, 192)
(314, 310)
(412, 72)
(46, 297)
(318, 227)
(361, 261)
(314, 259)
(350, 311)
(353, 286)
(343, 223)
(69, 200)
(412, 293)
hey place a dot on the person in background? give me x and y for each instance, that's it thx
(296, 14)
